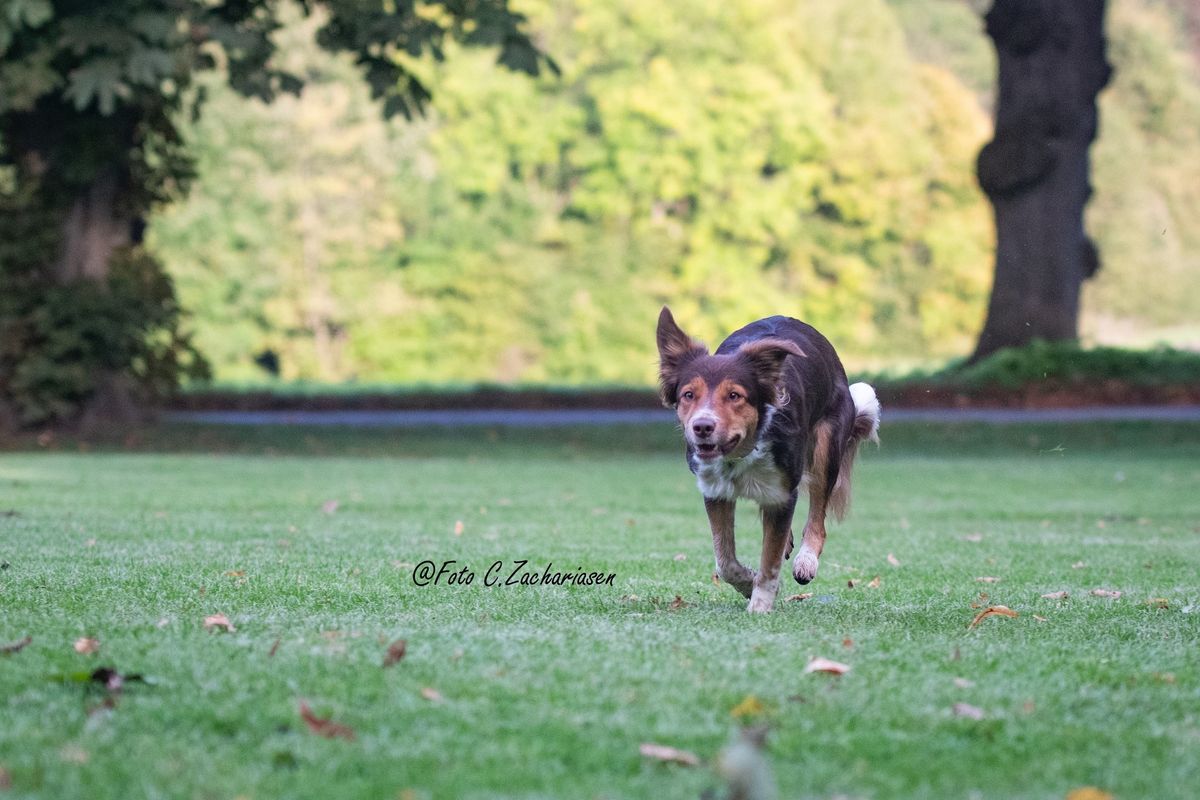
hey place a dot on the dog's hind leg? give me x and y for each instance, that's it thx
(821, 476)
(777, 536)
(732, 571)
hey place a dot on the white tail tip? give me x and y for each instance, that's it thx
(867, 409)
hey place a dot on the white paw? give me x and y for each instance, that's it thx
(761, 602)
(804, 566)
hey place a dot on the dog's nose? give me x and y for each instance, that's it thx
(703, 428)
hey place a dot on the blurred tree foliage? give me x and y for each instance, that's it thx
(734, 158)
(92, 96)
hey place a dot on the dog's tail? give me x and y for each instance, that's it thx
(867, 413)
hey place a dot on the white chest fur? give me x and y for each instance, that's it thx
(755, 477)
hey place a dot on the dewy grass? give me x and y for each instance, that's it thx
(548, 691)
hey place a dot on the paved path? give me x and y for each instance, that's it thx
(567, 417)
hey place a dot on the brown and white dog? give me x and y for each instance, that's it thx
(769, 411)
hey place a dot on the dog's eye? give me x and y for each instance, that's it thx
(734, 396)
(688, 395)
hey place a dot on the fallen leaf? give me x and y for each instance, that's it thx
(848, 643)
(86, 645)
(874, 583)
(395, 652)
(662, 752)
(795, 598)
(458, 527)
(330, 506)
(990, 611)
(1158, 602)
(1088, 793)
(678, 603)
(988, 579)
(236, 573)
(819, 664)
(1063, 595)
(891, 559)
(1105, 593)
(963, 683)
(1039, 619)
(967, 710)
(15, 647)
(274, 648)
(324, 727)
(218, 621)
(750, 706)
(431, 694)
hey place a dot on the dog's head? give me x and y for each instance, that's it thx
(719, 399)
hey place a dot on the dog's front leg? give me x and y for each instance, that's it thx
(777, 537)
(732, 571)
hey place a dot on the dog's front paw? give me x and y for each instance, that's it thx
(804, 567)
(744, 587)
(761, 603)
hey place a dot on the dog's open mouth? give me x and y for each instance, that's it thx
(707, 450)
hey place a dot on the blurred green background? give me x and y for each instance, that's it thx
(736, 158)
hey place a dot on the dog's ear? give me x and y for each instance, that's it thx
(766, 357)
(675, 349)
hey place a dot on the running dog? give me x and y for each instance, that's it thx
(769, 412)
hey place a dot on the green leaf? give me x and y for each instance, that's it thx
(149, 65)
(99, 80)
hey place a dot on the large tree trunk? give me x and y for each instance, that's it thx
(1036, 169)
(93, 230)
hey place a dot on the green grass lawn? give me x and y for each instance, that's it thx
(549, 691)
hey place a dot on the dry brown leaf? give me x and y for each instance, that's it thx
(1063, 595)
(218, 622)
(324, 727)
(1039, 619)
(431, 694)
(678, 603)
(15, 647)
(330, 506)
(848, 643)
(458, 527)
(750, 706)
(395, 652)
(1105, 593)
(236, 573)
(795, 598)
(1088, 793)
(1158, 602)
(86, 645)
(891, 559)
(672, 755)
(819, 664)
(967, 710)
(873, 583)
(991, 611)
(274, 648)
